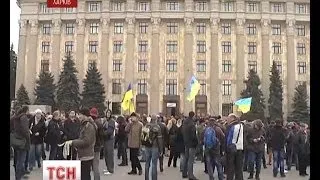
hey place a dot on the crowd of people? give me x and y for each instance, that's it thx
(225, 144)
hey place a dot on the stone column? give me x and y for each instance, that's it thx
(130, 47)
(79, 59)
(214, 68)
(188, 62)
(240, 62)
(154, 66)
(104, 58)
(55, 61)
(21, 61)
(266, 65)
(291, 65)
(32, 59)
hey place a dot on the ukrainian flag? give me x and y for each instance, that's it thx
(127, 103)
(194, 88)
(244, 104)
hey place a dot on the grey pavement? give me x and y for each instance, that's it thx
(168, 173)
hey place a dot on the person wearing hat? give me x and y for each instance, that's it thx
(71, 132)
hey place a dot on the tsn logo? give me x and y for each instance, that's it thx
(61, 170)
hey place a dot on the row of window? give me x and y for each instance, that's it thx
(199, 6)
(172, 28)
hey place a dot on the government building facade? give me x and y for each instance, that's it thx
(157, 45)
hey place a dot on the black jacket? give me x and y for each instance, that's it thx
(278, 138)
(172, 135)
(71, 129)
(179, 143)
(165, 134)
(53, 136)
(99, 135)
(303, 143)
(189, 133)
(37, 128)
(122, 135)
(254, 133)
(21, 128)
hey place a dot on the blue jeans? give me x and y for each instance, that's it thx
(254, 158)
(278, 161)
(35, 153)
(143, 153)
(21, 158)
(212, 161)
(152, 155)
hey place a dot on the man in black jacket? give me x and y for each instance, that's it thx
(71, 132)
(54, 134)
(122, 140)
(165, 134)
(109, 133)
(191, 143)
(278, 141)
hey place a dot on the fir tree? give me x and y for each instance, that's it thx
(68, 96)
(275, 97)
(93, 90)
(22, 97)
(45, 89)
(300, 105)
(253, 90)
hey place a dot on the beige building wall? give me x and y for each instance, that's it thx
(213, 14)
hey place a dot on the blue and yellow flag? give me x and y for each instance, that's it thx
(127, 103)
(194, 88)
(244, 104)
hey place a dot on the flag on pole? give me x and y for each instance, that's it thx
(127, 103)
(194, 88)
(244, 104)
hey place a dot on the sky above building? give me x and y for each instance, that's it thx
(14, 24)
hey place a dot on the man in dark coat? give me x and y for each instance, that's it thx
(278, 141)
(304, 150)
(71, 132)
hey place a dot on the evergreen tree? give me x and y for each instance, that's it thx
(45, 89)
(22, 97)
(68, 96)
(300, 105)
(275, 97)
(13, 67)
(93, 90)
(253, 90)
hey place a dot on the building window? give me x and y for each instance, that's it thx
(203, 87)
(93, 46)
(172, 6)
(143, 27)
(116, 86)
(70, 10)
(117, 65)
(172, 46)
(46, 28)
(227, 6)
(94, 28)
(301, 30)
(201, 6)
(201, 28)
(226, 87)
(277, 7)
(302, 67)
(45, 46)
(70, 28)
(171, 65)
(142, 86)
(252, 47)
(117, 46)
(117, 6)
(68, 46)
(118, 28)
(116, 107)
(172, 28)
(143, 46)
(91, 63)
(227, 108)
(301, 48)
(226, 66)
(144, 6)
(171, 87)
(252, 7)
(45, 65)
(276, 48)
(94, 6)
(226, 28)
(301, 8)
(252, 65)
(279, 66)
(142, 65)
(201, 46)
(276, 29)
(201, 65)
(226, 47)
(251, 29)
(43, 8)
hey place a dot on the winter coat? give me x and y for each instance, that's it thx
(54, 136)
(189, 133)
(134, 130)
(255, 133)
(37, 128)
(71, 129)
(21, 128)
(278, 138)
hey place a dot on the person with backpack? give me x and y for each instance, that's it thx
(212, 138)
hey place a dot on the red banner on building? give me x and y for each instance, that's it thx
(62, 3)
